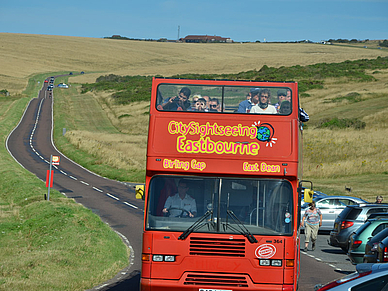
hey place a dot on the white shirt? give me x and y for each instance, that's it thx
(269, 110)
(187, 203)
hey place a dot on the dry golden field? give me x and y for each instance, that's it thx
(332, 159)
(23, 55)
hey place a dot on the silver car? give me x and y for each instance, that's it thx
(331, 207)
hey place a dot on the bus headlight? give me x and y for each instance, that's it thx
(276, 263)
(157, 258)
(163, 258)
(169, 258)
(265, 262)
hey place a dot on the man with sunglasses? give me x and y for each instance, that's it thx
(214, 105)
(263, 106)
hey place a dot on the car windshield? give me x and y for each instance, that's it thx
(220, 205)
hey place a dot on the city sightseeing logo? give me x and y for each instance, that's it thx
(205, 144)
(265, 133)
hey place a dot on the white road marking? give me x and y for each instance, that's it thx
(111, 196)
(99, 190)
(126, 203)
(84, 183)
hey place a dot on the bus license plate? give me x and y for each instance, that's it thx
(213, 290)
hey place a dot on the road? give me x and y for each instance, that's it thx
(31, 145)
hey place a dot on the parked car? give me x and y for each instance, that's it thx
(331, 207)
(368, 277)
(358, 239)
(349, 220)
(317, 194)
(371, 247)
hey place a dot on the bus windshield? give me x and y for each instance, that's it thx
(222, 205)
(225, 99)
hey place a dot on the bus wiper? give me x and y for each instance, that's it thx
(198, 224)
(243, 230)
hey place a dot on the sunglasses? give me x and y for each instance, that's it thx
(213, 105)
(200, 104)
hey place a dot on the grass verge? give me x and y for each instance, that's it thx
(48, 245)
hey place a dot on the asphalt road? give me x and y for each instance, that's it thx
(31, 145)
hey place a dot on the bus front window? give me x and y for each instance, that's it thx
(263, 206)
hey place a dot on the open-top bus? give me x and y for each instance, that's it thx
(222, 186)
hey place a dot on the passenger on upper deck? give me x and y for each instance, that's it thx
(246, 105)
(282, 93)
(214, 105)
(200, 105)
(263, 106)
(177, 103)
(285, 107)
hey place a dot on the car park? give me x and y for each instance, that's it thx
(368, 277)
(372, 247)
(349, 220)
(331, 207)
(358, 239)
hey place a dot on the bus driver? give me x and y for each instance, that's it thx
(181, 204)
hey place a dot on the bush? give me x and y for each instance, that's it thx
(342, 123)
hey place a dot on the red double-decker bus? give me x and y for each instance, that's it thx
(224, 165)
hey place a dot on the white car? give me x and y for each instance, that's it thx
(331, 207)
(63, 85)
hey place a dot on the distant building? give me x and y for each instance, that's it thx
(205, 38)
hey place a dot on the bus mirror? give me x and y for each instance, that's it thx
(139, 191)
(308, 195)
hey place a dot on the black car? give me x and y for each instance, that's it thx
(372, 245)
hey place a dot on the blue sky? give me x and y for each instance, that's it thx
(244, 20)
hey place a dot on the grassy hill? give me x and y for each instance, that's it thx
(334, 157)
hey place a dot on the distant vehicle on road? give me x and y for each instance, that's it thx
(63, 85)
(367, 277)
(331, 207)
(71, 73)
(349, 220)
(359, 238)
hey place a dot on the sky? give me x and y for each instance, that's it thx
(240, 20)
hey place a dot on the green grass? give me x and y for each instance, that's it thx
(48, 245)
(74, 111)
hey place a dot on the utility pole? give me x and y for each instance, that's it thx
(179, 28)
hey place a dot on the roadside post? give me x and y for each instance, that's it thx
(54, 160)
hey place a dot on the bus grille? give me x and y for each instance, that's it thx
(227, 280)
(217, 247)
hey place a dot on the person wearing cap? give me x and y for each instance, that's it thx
(246, 105)
(313, 217)
(282, 95)
(263, 105)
